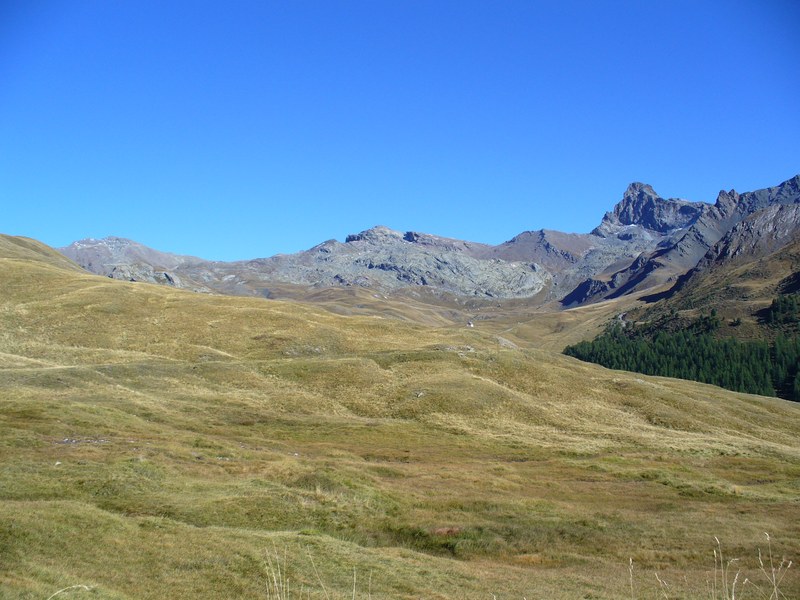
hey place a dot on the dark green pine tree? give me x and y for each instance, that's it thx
(694, 353)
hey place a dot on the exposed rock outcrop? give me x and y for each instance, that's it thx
(681, 252)
(125, 259)
(641, 206)
(643, 242)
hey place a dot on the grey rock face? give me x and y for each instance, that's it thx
(642, 206)
(681, 251)
(120, 258)
(758, 235)
(644, 241)
(377, 258)
(387, 260)
(640, 223)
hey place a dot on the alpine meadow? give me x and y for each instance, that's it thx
(399, 300)
(163, 443)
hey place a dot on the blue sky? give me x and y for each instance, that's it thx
(242, 129)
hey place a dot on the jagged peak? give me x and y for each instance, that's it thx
(637, 199)
(787, 192)
(789, 187)
(642, 206)
(637, 189)
(729, 196)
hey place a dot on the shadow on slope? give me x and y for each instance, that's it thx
(157, 442)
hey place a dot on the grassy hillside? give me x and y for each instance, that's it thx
(739, 292)
(161, 444)
(735, 326)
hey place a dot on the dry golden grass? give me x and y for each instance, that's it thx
(156, 443)
(525, 323)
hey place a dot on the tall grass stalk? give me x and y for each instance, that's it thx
(726, 585)
(85, 588)
(630, 576)
(775, 575)
(277, 581)
(722, 572)
(662, 585)
(316, 572)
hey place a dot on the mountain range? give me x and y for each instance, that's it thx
(162, 443)
(646, 242)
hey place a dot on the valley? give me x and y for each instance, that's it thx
(162, 443)
(399, 300)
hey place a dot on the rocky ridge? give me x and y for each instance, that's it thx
(681, 251)
(645, 241)
(387, 260)
(120, 258)
(642, 207)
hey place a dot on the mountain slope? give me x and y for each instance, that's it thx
(157, 443)
(32, 252)
(737, 279)
(124, 259)
(759, 234)
(540, 265)
(641, 206)
(379, 258)
(709, 226)
(645, 242)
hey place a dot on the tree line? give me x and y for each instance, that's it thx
(785, 310)
(754, 367)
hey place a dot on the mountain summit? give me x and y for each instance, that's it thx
(644, 242)
(641, 205)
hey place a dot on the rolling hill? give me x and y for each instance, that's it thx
(162, 443)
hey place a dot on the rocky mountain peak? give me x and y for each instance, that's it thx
(734, 205)
(123, 258)
(789, 189)
(384, 236)
(640, 190)
(111, 243)
(643, 242)
(727, 202)
(377, 234)
(642, 206)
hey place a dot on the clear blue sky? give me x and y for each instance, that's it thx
(241, 129)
